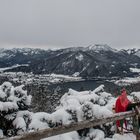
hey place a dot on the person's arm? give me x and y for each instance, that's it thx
(117, 106)
(132, 105)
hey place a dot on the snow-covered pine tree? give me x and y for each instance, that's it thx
(14, 101)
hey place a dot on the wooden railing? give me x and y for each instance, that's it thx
(37, 135)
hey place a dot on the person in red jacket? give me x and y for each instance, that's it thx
(121, 106)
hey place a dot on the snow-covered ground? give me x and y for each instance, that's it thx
(127, 81)
(12, 67)
(97, 135)
(135, 70)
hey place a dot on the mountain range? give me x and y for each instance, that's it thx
(99, 60)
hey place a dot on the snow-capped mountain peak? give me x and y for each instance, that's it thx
(100, 47)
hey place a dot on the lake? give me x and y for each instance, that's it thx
(85, 85)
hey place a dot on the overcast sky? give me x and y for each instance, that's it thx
(66, 23)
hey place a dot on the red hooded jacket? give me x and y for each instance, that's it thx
(121, 104)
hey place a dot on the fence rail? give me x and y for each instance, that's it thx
(37, 135)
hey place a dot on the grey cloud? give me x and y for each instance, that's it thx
(70, 22)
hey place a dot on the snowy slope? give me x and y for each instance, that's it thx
(138, 53)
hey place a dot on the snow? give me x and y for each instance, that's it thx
(66, 63)
(84, 68)
(80, 57)
(101, 112)
(124, 137)
(38, 121)
(97, 67)
(56, 78)
(101, 47)
(5, 106)
(79, 101)
(61, 116)
(127, 81)
(68, 136)
(1, 133)
(76, 74)
(110, 104)
(94, 134)
(136, 95)
(26, 50)
(99, 89)
(74, 106)
(61, 76)
(12, 67)
(2, 94)
(19, 123)
(135, 70)
(2, 55)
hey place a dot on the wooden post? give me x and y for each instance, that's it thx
(136, 126)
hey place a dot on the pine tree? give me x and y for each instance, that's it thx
(14, 101)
